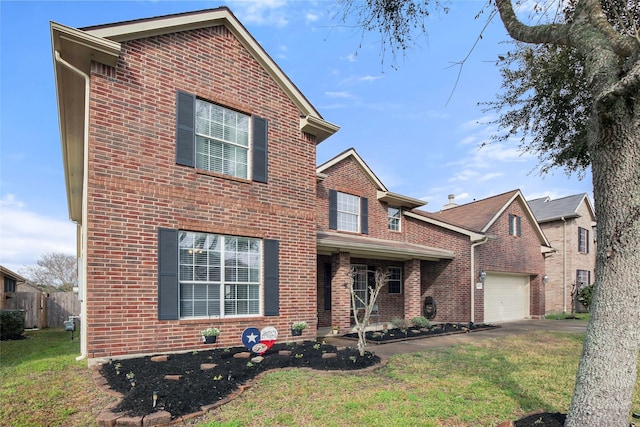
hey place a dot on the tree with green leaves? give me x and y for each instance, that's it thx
(580, 107)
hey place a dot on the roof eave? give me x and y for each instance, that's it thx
(311, 121)
(400, 200)
(473, 236)
(318, 127)
(78, 49)
(327, 246)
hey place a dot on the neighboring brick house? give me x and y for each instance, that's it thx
(570, 225)
(437, 255)
(11, 282)
(191, 177)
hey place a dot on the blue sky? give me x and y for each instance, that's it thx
(394, 113)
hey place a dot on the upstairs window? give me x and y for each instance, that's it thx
(515, 225)
(395, 280)
(583, 240)
(394, 214)
(213, 138)
(222, 140)
(348, 212)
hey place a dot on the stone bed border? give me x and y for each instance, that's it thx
(109, 418)
(420, 337)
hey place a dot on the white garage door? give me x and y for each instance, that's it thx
(506, 297)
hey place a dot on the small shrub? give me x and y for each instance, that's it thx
(400, 323)
(584, 296)
(11, 324)
(421, 322)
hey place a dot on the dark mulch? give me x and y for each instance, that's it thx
(197, 388)
(396, 334)
(543, 419)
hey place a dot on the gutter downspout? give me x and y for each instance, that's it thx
(85, 197)
(564, 265)
(473, 275)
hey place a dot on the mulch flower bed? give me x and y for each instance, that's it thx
(182, 384)
(397, 334)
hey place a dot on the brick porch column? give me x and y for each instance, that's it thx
(412, 297)
(340, 297)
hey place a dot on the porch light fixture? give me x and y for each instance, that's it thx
(545, 279)
(482, 276)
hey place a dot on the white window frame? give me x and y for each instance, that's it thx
(583, 240)
(348, 209)
(212, 268)
(394, 214)
(223, 140)
(361, 285)
(397, 280)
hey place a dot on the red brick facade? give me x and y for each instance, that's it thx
(448, 281)
(135, 187)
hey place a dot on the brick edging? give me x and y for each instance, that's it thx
(109, 418)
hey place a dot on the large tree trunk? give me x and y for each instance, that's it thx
(608, 368)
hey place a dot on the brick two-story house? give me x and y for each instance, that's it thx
(189, 160)
(481, 262)
(570, 225)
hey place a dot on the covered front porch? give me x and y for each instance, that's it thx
(405, 264)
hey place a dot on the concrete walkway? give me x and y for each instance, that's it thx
(505, 329)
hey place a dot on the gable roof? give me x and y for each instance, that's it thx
(547, 210)
(15, 276)
(73, 50)
(383, 194)
(480, 215)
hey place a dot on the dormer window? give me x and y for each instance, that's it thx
(348, 212)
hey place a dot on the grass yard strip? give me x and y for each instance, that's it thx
(479, 384)
(43, 384)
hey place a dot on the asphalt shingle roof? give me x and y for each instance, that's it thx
(546, 209)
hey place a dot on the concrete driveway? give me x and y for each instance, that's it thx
(505, 329)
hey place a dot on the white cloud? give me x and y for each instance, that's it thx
(311, 17)
(261, 12)
(26, 235)
(340, 94)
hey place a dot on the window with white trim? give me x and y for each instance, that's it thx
(583, 278)
(361, 286)
(583, 240)
(394, 215)
(395, 280)
(219, 275)
(222, 140)
(348, 212)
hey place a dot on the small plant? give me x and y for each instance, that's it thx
(249, 364)
(227, 350)
(117, 366)
(300, 326)
(353, 358)
(131, 377)
(299, 356)
(421, 322)
(194, 352)
(400, 323)
(217, 378)
(585, 295)
(316, 346)
(210, 332)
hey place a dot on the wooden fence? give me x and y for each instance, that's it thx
(42, 310)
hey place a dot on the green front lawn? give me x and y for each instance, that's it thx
(478, 384)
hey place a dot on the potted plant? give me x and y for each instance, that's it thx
(210, 335)
(335, 329)
(298, 327)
